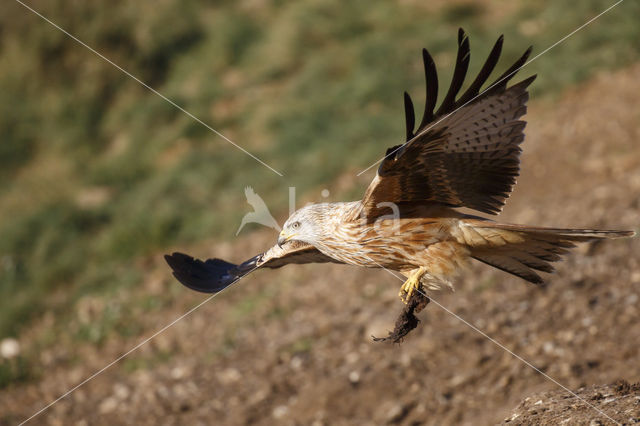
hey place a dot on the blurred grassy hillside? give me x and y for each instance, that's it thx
(98, 173)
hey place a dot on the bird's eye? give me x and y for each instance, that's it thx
(295, 225)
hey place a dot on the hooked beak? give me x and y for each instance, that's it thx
(284, 237)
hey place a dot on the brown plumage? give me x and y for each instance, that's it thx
(464, 154)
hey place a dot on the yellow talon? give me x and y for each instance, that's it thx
(411, 284)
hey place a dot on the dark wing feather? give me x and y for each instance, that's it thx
(431, 79)
(213, 275)
(492, 60)
(459, 73)
(467, 153)
(409, 115)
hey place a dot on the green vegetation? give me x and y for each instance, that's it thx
(99, 173)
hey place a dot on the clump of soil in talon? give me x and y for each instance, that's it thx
(407, 320)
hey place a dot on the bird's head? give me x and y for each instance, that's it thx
(303, 225)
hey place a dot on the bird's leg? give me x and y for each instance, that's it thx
(412, 284)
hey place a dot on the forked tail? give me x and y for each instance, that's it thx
(522, 250)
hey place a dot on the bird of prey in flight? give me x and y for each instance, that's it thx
(465, 153)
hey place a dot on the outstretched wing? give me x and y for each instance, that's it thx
(213, 275)
(465, 154)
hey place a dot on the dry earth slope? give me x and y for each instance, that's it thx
(294, 345)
